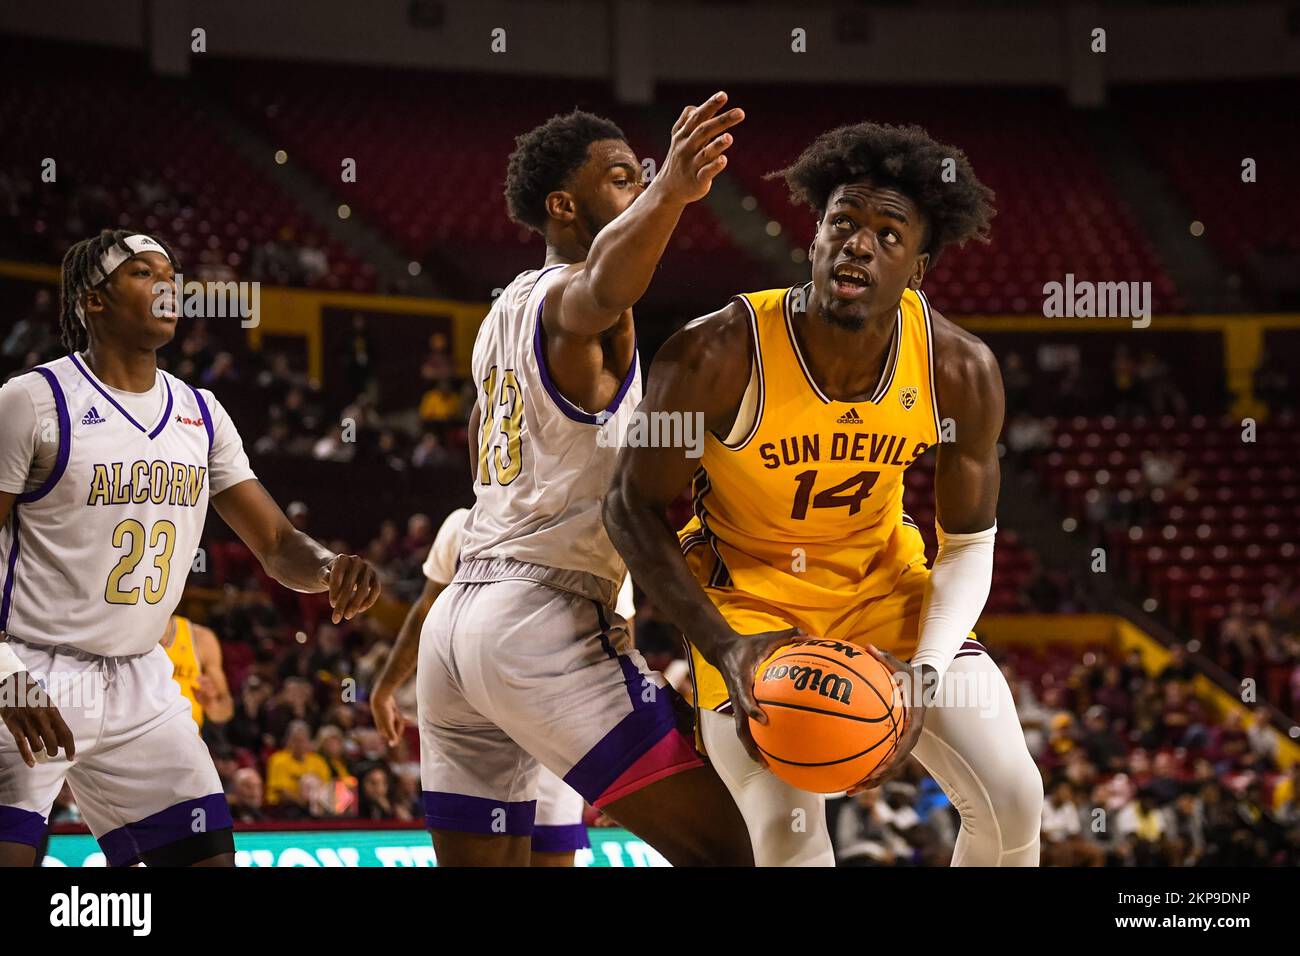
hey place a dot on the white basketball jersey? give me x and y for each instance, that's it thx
(544, 464)
(96, 557)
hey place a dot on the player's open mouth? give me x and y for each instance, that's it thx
(849, 282)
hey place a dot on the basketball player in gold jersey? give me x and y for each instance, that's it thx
(816, 399)
(195, 654)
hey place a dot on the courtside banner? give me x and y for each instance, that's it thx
(356, 848)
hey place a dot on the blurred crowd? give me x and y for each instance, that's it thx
(1137, 771)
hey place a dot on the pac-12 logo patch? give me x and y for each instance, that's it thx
(907, 395)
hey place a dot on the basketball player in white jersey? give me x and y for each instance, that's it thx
(523, 660)
(558, 830)
(107, 466)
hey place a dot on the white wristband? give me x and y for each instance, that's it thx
(9, 662)
(959, 586)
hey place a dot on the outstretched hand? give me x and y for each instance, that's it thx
(697, 151)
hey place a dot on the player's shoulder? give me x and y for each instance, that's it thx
(30, 388)
(718, 341)
(961, 359)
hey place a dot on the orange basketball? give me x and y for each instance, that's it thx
(833, 714)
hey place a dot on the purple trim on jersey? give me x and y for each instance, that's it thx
(124, 845)
(6, 601)
(205, 415)
(21, 826)
(563, 404)
(465, 814)
(560, 838)
(65, 440)
(112, 401)
(167, 412)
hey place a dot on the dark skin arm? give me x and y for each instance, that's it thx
(292, 558)
(591, 295)
(589, 337)
(400, 666)
(25, 708)
(967, 477)
(702, 369)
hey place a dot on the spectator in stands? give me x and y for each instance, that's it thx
(1104, 747)
(1064, 839)
(286, 767)
(438, 363)
(245, 728)
(332, 447)
(429, 452)
(32, 335)
(1182, 717)
(1178, 668)
(295, 701)
(374, 800)
(1143, 824)
(245, 796)
(441, 403)
(1160, 394)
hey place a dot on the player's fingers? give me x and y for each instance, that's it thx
(347, 571)
(713, 150)
(747, 739)
(367, 597)
(710, 129)
(45, 730)
(706, 173)
(742, 700)
(15, 728)
(681, 120)
(356, 602)
(702, 113)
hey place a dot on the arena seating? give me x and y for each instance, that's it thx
(1218, 533)
(431, 159)
(1240, 218)
(150, 161)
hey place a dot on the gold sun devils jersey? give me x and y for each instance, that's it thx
(804, 511)
(185, 664)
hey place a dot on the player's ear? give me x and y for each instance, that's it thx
(918, 272)
(95, 302)
(560, 206)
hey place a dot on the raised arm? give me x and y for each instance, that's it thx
(702, 371)
(591, 296)
(294, 559)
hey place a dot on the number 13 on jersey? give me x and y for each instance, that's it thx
(500, 442)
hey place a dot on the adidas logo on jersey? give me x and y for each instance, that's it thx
(850, 417)
(92, 417)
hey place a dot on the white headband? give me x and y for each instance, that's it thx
(115, 256)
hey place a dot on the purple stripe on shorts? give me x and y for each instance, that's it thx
(633, 679)
(465, 814)
(631, 738)
(563, 838)
(21, 826)
(125, 844)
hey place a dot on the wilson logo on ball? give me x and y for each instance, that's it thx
(811, 678)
